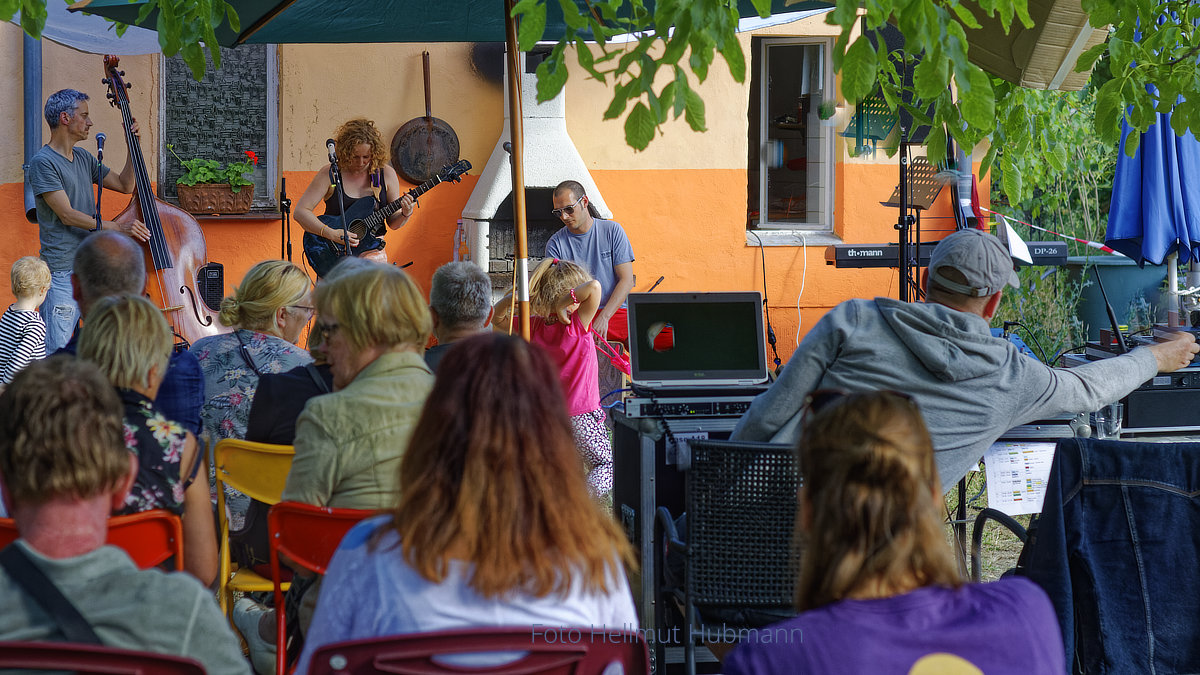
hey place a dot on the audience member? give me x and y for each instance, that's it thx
(111, 263)
(492, 523)
(971, 387)
(564, 299)
(460, 302)
(267, 313)
(879, 588)
(22, 329)
(280, 397)
(374, 323)
(64, 468)
(128, 338)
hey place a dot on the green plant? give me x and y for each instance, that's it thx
(1046, 305)
(205, 171)
(826, 110)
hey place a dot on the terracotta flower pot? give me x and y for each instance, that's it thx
(210, 198)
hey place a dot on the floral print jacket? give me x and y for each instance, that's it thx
(158, 443)
(230, 381)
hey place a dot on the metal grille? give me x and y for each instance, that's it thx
(741, 505)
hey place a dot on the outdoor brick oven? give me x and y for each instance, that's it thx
(488, 225)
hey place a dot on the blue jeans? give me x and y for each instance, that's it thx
(1116, 550)
(59, 311)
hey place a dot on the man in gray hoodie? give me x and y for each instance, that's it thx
(971, 387)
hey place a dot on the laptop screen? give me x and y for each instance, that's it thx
(697, 339)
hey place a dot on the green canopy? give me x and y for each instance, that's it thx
(322, 21)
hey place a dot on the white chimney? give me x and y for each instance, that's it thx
(549, 158)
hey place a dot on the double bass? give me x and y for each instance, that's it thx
(176, 250)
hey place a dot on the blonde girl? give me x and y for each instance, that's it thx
(564, 299)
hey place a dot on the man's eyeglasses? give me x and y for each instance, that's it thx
(325, 330)
(569, 210)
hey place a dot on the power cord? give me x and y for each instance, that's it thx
(767, 308)
(1018, 324)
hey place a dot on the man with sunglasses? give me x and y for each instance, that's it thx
(602, 248)
(971, 387)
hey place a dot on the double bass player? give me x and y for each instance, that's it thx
(62, 176)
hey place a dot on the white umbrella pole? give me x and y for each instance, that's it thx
(1173, 284)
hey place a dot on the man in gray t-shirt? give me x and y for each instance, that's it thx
(61, 176)
(602, 248)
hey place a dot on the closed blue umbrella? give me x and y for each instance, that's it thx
(1155, 210)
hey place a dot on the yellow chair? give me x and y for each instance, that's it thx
(260, 471)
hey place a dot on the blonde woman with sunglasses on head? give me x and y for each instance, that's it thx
(879, 588)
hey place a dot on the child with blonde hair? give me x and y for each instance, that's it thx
(563, 300)
(22, 329)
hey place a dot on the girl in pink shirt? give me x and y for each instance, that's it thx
(564, 299)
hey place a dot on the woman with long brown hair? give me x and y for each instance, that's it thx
(494, 524)
(879, 588)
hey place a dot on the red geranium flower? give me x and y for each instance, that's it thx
(253, 157)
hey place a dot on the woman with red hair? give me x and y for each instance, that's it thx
(494, 524)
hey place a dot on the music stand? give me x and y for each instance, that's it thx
(917, 190)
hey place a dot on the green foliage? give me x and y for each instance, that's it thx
(933, 29)
(682, 35)
(1045, 304)
(201, 170)
(1064, 169)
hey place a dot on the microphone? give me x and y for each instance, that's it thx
(100, 138)
(332, 147)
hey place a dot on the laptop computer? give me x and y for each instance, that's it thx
(693, 343)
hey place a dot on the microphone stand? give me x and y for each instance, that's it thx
(341, 200)
(285, 208)
(99, 182)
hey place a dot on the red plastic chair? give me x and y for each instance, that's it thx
(93, 659)
(308, 536)
(149, 537)
(579, 651)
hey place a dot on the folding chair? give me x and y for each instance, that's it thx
(740, 563)
(260, 471)
(597, 651)
(151, 538)
(308, 536)
(1115, 549)
(92, 659)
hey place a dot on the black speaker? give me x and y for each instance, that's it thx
(210, 280)
(1170, 401)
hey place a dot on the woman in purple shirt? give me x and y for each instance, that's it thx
(879, 588)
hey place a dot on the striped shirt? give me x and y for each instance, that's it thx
(22, 340)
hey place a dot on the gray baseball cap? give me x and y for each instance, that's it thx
(980, 257)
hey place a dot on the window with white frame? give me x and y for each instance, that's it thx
(790, 164)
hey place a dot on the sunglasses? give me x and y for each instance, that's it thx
(569, 210)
